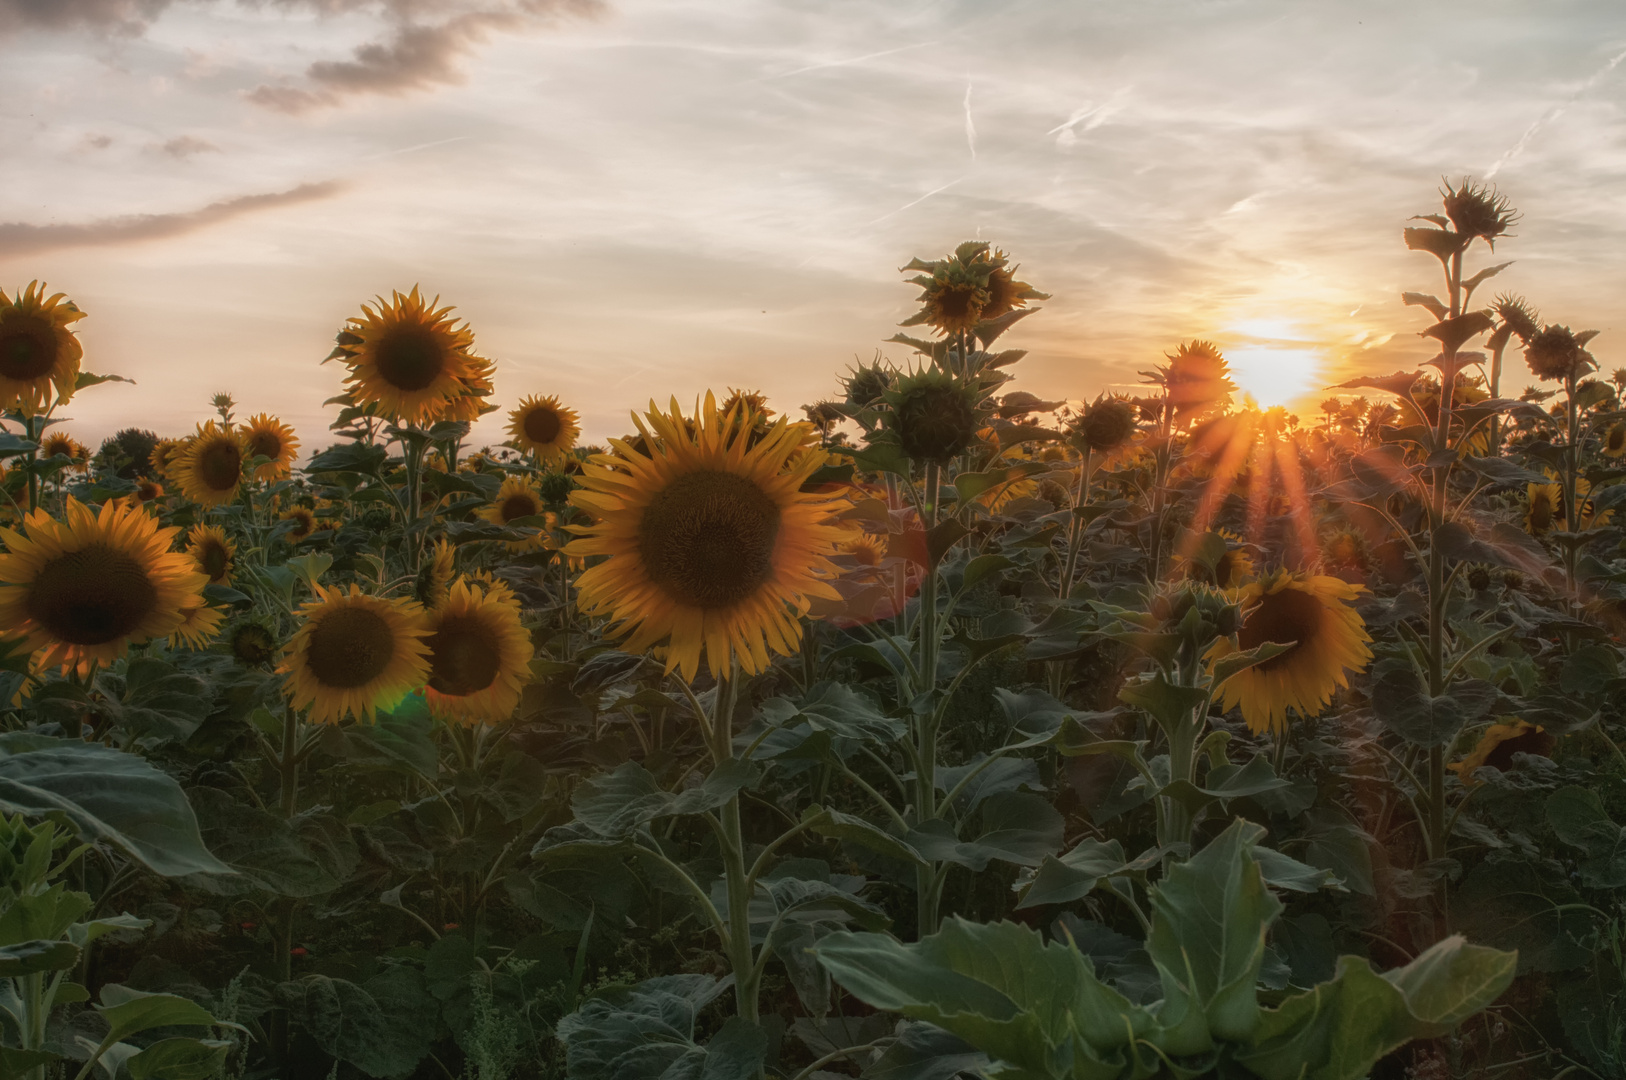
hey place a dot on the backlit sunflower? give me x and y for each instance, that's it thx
(199, 626)
(709, 543)
(60, 442)
(479, 655)
(304, 519)
(86, 587)
(470, 402)
(541, 426)
(407, 357)
(1614, 441)
(1498, 745)
(1544, 508)
(1328, 639)
(165, 454)
(354, 654)
(39, 355)
(864, 549)
(266, 436)
(210, 470)
(213, 552)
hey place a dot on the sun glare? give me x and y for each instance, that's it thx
(1275, 376)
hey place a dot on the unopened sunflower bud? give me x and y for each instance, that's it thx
(934, 415)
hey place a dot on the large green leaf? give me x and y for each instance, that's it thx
(1017, 827)
(130, 1012)
(27, 957)
(108, 796)
(384, 1027)
(1405, 706)
(308, 855)
(830, 718)
(1579, 820)
(648, 1031)
(1061, 879)
(179, 1058)
(615, 804)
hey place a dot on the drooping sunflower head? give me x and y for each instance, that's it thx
(39, 355)
(1327, 639)
(479, 655)
(1197, 378)
(1518, 316)
(146, 491)
(253, 643)
(1544, 508)
(213, 551)
(1105, 426)
(85, 587)
(304, 519)
(436, 576)
(934, 415)
(1478, 210)
(407, 357)
(711, 544)
(266, 436)
(211, 469)
(1498, 745)
(1558, 353)
(1005, 293)
(354, 654)
(1614, 441)
(542, 426)
(200, 624)
(953, 291)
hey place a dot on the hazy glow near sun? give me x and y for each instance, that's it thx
(1275, 376)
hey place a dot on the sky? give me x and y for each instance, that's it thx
(631, 199)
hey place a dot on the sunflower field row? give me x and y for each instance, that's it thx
(942, 731)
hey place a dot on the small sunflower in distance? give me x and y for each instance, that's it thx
(252, 642)
(60, 442)
(146, 491)
(39, 355)
(266, 436)
(213, 552)
(542, 426)
(200, 624)
(1327, 636)
(1614, 441)
(953, 290)
(354, 654)
(408, 357)
(516, 498)
(304, 519)
(479, 654)
(85, 588)
(211, 468)
(711, 544)
(1544, 508)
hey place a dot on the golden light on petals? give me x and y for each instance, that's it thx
(213, 552)
(304, 519)
(354, 654)
(1328, 639)
(479, 655)
(84, 588)
(266, 436)
(408, 357)
(39, 355)
(210, 469)
(1499, 743)
(200, 624)
(542, 426)
(709, 542)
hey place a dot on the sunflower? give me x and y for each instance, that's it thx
(210, 470)
(60, 442)
(469, 403)
(39, 355)
(408, 357)
(479, 654)
(354, 654)
(1327, 636)
(1197, 378)
(1498, 745)
(253, 643)
(165, 454)
(541, 426)
(145, 492)
(436, 576)
(85, 587)
(710, 543)
(1614, 441)
(213, 551)
(266, 436)
(864, 550)
(305, 523)
(199, 626)
(1544, 508)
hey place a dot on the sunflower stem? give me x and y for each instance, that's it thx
(928, 884)
(747, 975)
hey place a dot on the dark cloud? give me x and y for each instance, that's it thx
(18, 238)
(184, 146)
(117, 16)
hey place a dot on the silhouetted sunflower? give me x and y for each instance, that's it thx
(407, 357)
(479, 654)
(84, 588)
(541, 426)
(210, 469)
(354, 654)
(1197, 378)
(213, 551)
(1328, 639)
(39, 355)
(710, 544)
(266, 436)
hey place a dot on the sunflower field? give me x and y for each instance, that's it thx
(945, 732)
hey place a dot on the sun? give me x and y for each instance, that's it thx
(1273, 375)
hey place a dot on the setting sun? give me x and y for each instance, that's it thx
(1276, 376)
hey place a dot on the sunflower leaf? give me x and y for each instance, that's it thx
(1238, 662)
(1402, 702)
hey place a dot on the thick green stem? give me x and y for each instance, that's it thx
(928, 885)
(735, 872)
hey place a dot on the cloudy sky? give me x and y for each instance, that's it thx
(630, 198)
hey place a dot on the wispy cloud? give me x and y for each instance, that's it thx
(970, 125)
(19, 238)
(1553, 114)
(184, 146)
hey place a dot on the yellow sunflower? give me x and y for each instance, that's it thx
(709, 542)
(517, 498)
(408, 357)
(306, 523)
(354, 654)
(470, 403)
(213, 551)
(541, 426)
(1544, 508)
(39, 355)
(436, 576)
(86, 587)
(200, 626)
(1328, 638)
(479, 655)
(864, 549)
(1614, 441)
(266, 436)
(60, 442)
(165, 454)
(1498, 745)
(210, 469)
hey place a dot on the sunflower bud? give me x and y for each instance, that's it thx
(934, 415)
(824, 415)
(1106, 425)
(1478, 211)
(1479, 579)
(868, 384)
(1518, 314)
(555, 487)
(253, 643)
(1556, 353)
(1197, 378)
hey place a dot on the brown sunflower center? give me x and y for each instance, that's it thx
(518, 506)
(959, 303)
(213, 559)
(708, 538)
(264, 444)
(28, 347)
(92, 596)
(1282, 618)
(219, 464)
(409, 357)
(350, 647)
(542, 425)
(463, 656)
